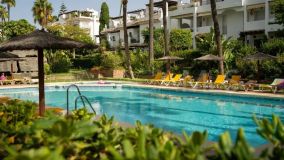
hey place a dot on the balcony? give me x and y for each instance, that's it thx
(204, 29)
(255, 25)
(252, 2)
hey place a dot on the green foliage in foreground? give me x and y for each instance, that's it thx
(25, 136)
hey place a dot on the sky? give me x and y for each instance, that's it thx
(23, 7)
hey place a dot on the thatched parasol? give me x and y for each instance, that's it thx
(170, 59)
(259, 56)
(209, 57)
(40, 40)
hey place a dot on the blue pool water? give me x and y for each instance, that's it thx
(172, 110)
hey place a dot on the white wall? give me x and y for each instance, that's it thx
(233, 28)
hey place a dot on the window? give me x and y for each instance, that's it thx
(112, 38)
(256, 14)
(130, 34)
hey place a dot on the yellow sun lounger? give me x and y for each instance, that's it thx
(187, 81)
(174, 80)
(157, 77)
(219, 81)
(7, 82)
(201, 81)
(167, 78)
(234, 82)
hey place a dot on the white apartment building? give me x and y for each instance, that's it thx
(87, 19)
(137, 22)
(250, 20)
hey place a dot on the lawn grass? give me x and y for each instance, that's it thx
(83, 75)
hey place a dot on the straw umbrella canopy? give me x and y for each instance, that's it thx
(209, 57)
(40, 40)
(259, 57)
(7, 56)
(170, 59)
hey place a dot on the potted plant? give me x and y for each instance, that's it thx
(112, 65)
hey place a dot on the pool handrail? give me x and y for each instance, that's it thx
(78, 89)
(84, 97)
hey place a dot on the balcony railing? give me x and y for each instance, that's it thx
(204, 29)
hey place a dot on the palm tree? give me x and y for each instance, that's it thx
(9, 3)
(151, 32)
(42, 12)
(218, 37)
(127, 54)
(166, 32)
(3, 13)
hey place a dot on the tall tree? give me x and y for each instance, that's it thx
(277, 9)
(104, 22)
(166, 31)
(42, 12)
(218, 37)
(63, 9)
(9, 3)
(126, 46)
(151, 32)
(3, 13)
(104, 16)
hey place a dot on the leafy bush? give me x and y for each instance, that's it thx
(180, 39)
(47, 70)
(158, 40)
(111, 60)
(87, 62)
(139, 60)
(273, 47)
(188, 63)
(61, 63)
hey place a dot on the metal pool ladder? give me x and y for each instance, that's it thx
(82, 97)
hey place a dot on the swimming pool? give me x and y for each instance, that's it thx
(169, 109)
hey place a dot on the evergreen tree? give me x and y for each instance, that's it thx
(104, 16)
(63, 9)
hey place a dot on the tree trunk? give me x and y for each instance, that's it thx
(41, 102)
(217, 34)
(166, 33)
(8, 7)
(151, 33)
(127, 54)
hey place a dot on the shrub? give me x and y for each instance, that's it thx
(188, 62)
(180, 39)
(61, 63)
(158, 41)
(273, 47)
(111, 60)
(47, 70)
(87, 62)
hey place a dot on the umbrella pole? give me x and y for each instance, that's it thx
(258, 73)
(12, 69)
(41, 82)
